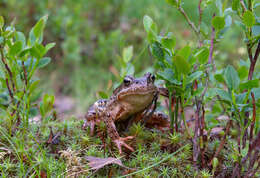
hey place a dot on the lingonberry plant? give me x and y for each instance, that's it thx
(192, 78)
(21, 57)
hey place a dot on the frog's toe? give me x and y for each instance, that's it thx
(92, 127)
(121, 142)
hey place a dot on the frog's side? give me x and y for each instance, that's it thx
(134, 96)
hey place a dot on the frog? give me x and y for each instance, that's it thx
(133, 98)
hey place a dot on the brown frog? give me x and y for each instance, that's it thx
(135, 97)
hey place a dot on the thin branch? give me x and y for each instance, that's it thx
(253, 62)
(257, 51)
(254, 117)
(8, 69)
(249, 51)
(200, 14)
(243, 5)
(210, 61)
(9, 89)
(188, 20)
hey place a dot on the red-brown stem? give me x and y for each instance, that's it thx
(253, 62)
(200, 14)
(8, 70)
(25, 74)
(196, 147)
(211, 43)
(9, 90)
(243, 5)
(254, 117)
(191, 24)
(202, 127)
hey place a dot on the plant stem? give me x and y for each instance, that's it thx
(176, 113)
(170, 111)
(243, 5)
(191, 24)
(253, 62)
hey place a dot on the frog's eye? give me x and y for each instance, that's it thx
(152, 77)
(127, 80)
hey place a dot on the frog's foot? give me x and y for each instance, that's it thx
(91, 125)
(121, 142)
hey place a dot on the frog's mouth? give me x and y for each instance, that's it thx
(147, 90)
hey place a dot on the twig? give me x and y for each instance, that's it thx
(254, 117)
(253, 62)
(9, 90)
(210, 61)
(243, 5)
(200, 14)
(188, 20)
(8, 69)
(25, 74)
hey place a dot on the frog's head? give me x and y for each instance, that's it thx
(137, 91)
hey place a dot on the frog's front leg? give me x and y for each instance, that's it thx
(113, 134)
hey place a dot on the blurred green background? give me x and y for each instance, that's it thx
(91, 34)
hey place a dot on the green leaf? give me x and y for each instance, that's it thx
(168, 75)
(147, 21)
(194, 76)
(202, 55)
(33, 86)
(256, 92)
(43, 62)
(249, 84)
(16, 48)
(48, 101)
(184, 52)
(20, 37)
(172, 2)
(103, 95)
(235, 5)
(219, 78)
(169, 43)
(242, 72)
(36, 32)
(256, 30)
(218, 22)
(231, 77)
(248, 19)
(130, 69)
(181, 64)
(49, 46)
(127, 54)
(24, 52)
(224, 95)
(2, 22)
(157, 50)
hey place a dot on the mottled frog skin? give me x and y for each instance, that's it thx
(134, 97)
